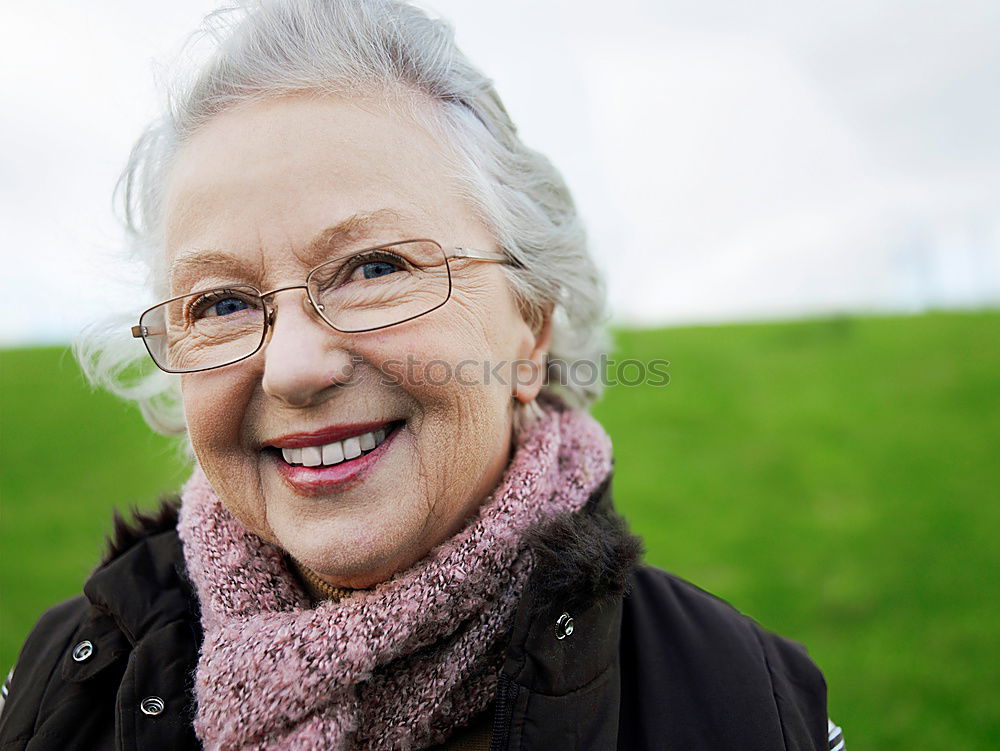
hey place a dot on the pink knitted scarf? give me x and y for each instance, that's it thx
(399, 666)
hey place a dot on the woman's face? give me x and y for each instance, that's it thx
(261, 195)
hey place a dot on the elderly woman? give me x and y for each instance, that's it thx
(398, 533)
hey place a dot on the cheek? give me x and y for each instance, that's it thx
(459, 375)
(457, 365)
(215, 405)
(213, 409)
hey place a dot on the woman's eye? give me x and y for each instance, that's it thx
(219, 305)
(227, 306)
(367, 266)
(373, 269)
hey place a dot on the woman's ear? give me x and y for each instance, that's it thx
(529, 371)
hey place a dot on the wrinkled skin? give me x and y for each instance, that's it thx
(260, 182)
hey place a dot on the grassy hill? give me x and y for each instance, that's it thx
(835, 479)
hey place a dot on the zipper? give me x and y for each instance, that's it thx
(507, 692)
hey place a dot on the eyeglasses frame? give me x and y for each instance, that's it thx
(471, 254)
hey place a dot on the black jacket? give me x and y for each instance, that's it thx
(645, 660)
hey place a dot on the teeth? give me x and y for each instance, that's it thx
(333, 453)
(352, 448)
(292, 456)
(336, 452)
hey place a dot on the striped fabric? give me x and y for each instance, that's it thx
(836, 737)
(5, 688)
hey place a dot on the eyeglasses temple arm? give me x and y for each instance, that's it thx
(480, 255)
(140, 332)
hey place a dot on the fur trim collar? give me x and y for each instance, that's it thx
(136, 524)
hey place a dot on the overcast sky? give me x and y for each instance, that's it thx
(733, 160)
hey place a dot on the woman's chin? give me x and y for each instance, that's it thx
(356, 556)
(353, 523)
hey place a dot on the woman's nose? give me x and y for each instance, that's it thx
(305, 359)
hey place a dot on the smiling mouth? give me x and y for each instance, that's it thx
(337, 452)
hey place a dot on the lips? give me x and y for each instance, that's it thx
(328, 434)
(336, 452)
(325, 467)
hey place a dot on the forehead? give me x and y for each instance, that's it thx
(271, 183)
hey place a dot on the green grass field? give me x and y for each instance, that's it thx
(835, 479)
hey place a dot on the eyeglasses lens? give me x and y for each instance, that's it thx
(367, 290)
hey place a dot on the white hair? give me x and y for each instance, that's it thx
(351, 48)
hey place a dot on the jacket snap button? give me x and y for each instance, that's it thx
(152, 706)
(83, 651)
(564, 626)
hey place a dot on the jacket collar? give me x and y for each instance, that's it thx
(572, 601)
(139, 591)
(144, 587)
(560, 684)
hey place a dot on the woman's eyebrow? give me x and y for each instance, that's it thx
(195, 263)
(350, 230)
(186, 269)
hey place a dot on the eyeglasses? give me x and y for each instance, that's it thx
(366, 290)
